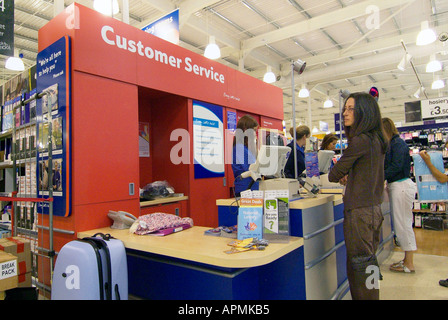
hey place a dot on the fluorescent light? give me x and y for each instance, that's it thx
(304, 93)
(437, 84)
(106, 6)
(15, 64)
(212, 50)
(269, 76)
(433, 65)
(426, 35)
(404, 62)
(328, 103)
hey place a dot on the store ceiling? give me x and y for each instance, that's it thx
(347, 44)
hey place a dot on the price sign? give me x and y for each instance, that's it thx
(434, 108)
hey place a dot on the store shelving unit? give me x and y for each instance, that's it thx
(26, 221)
(431, 216)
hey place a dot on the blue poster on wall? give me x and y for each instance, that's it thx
(53, 115)
(428, 188)
(231, 121)
(208, 140)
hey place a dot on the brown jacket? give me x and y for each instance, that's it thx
(363, 161)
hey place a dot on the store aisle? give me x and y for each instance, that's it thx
(421, 285)
(431, 263)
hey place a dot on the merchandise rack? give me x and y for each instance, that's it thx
(27, 222)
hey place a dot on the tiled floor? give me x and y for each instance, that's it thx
(431, 265)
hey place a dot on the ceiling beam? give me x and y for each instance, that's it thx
(319, 22)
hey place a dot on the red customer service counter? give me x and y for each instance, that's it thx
(119, 77)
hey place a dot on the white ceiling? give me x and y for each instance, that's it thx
(337, 39)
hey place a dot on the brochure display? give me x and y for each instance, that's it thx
(276, 215)
(312, 164)
(53, 81)
(250, 219)
(429, 189)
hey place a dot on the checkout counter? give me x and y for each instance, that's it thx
(318, 221)
(189, 265)
(192, 266)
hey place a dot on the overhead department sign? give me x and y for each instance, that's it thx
(7, 27)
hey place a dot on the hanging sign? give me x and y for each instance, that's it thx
(7, 27)
(208, 140)
(337, 122)
(434, 108)
(166, 28)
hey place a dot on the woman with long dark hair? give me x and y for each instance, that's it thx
(361, 170)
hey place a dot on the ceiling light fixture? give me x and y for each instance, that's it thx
(419, 91)
(404, 61)
(412, 65)
(269, 76)
(212, 50)
(299, 66)
(328, 103)
(426, 35)
(304, 93)
(438, 83)
(107, 7)
(433, 65)
(15, 63)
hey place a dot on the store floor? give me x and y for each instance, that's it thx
(431, 265)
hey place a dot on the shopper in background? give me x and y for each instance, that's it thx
(442, 178)
(361, 169)
(401, 190)
(244, 153)
(329, 142)
(302, 133)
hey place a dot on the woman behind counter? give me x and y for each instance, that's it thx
(244, 152)
(329, 142)
(363, 162)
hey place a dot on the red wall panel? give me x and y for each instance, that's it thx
(104, 139)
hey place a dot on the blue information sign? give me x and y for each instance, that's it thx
(53, 111)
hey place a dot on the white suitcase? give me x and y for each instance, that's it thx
(93, 268)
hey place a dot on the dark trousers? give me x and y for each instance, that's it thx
(362, 236)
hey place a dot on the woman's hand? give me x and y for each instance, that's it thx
(343, 180)
(425, 156)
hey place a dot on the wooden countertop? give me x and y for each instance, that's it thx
(162, 200)
(193, 245)
(304, 203)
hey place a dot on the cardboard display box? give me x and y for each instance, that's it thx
(20, 248)
(8, 271)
